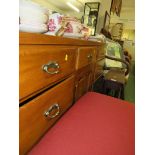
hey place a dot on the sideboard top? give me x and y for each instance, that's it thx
(35, 38)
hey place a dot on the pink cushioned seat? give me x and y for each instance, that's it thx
(96, 125)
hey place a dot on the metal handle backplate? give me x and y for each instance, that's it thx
(89, 56)
(53, 107)
(51, 65)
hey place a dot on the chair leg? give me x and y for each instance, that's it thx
(122, 93)
(113, 89)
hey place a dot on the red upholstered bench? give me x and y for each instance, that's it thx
(96, 125)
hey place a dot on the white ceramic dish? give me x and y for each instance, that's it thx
(54, 22)
(50, 33)
(73, 35)
(39, 28)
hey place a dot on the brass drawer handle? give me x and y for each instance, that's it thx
(89, 56)
(53, 65)
(54, 106)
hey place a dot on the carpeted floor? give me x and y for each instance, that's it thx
(129, 93)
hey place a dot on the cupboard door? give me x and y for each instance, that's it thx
(90, 81)
(81, 87)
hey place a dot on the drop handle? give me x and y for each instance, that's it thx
(89, 56)
(51, 65)
(49, 111)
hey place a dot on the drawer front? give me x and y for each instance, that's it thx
(86, 55)
(33, 122)
(99, 68)
(43, 65)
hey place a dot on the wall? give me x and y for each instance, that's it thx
(127, 17)
(105, 6)
(48, 5)
(51, 7)
(129, 41)
(128, 34)
(130, 47)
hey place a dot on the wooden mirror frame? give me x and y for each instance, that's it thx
(106, 19)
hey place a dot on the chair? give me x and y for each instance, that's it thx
(115, 79)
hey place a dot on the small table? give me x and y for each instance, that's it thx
(114, 82)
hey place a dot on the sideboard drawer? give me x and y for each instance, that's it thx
(43, 65)
(32, 119)
(86, 55)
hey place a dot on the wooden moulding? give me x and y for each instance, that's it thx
(34, 38)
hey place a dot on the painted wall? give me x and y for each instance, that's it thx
(129, 41)
(105, 6)
(128, 34)
(129, 45)
(48, 5)
(51, 7)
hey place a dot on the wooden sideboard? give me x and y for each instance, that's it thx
(54, 73)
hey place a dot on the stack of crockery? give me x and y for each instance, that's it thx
(74, 28)
(33, 17)
(56, 24)
(60, 25)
